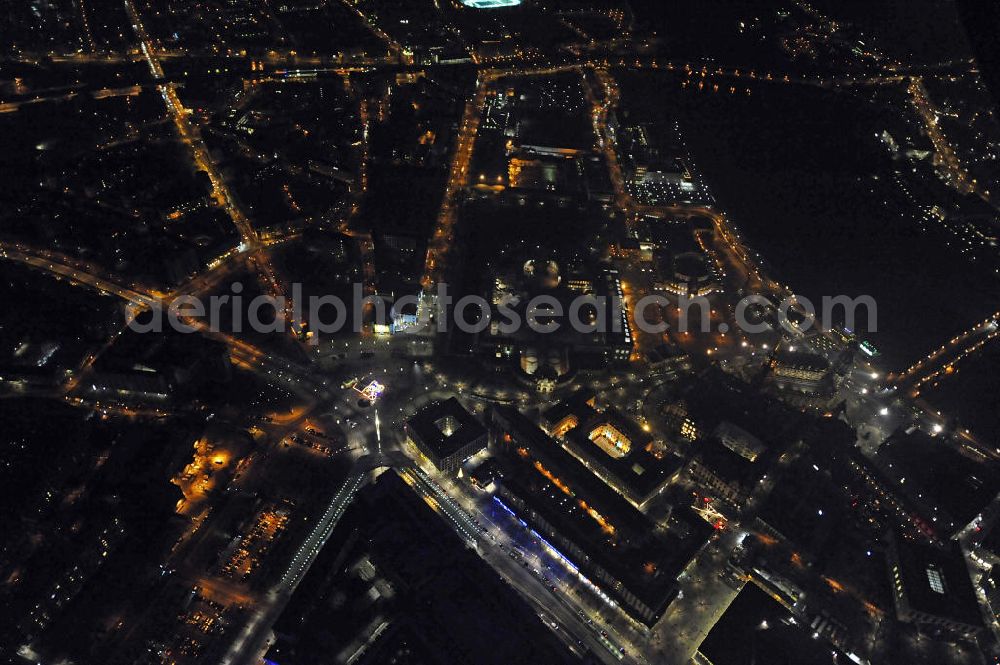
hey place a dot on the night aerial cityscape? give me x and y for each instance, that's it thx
(421, 332)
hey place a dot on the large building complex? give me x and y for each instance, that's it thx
(725, 473)
(589, 330)
(612, 545)
(658, 166)
(617, 450)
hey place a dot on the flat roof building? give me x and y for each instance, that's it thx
(932, 589)
(757, 630)
(446, 433)
(947, 488)
(614, 546)
(739, 440)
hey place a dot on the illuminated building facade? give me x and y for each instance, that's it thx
(801, 371)
(687, 274)
(725, 474)
(738, 440)
(609, 439)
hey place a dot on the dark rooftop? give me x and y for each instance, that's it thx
(757, 630)
(445, 427)
(730, 466)
(936, 581)
(691, 264)
(991, 541)
(576, 404)
(674, 237)
(932, 467)
(715, 397)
